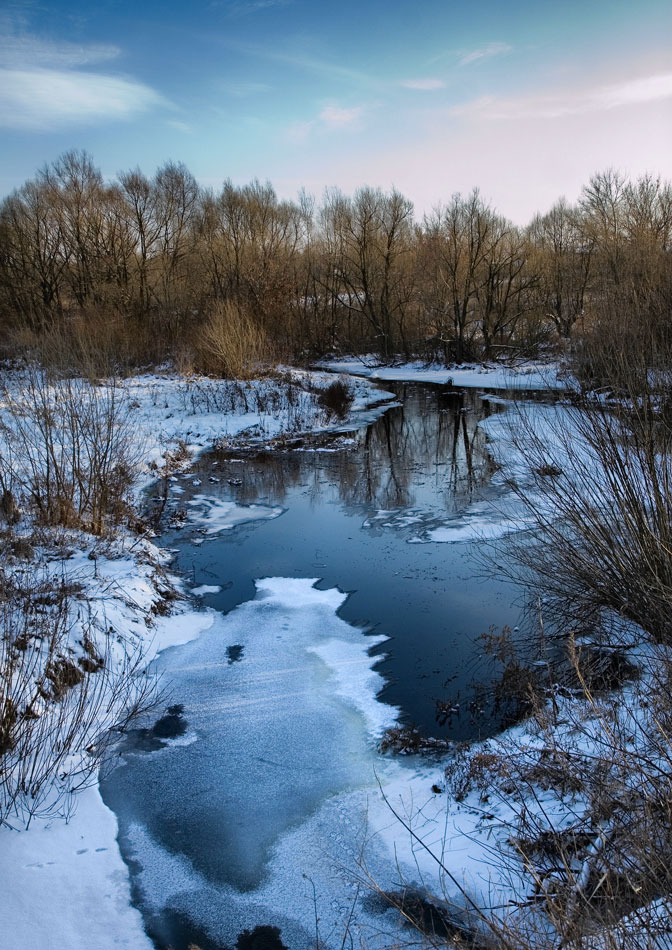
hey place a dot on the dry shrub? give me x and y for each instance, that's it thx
(582, 840)
(71, 449)
(606, 852)
(184, 360)
(231, 343)
(58, 706)
(603, 527)
(627, 334)
(401, 739)
(95, 344)
(474, 770)
(337, 399)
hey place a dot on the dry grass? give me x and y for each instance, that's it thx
(231, 344)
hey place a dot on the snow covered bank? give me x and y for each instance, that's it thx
(523, 376)
(173, 412)
(66, 884)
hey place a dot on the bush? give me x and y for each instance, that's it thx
(95, 344)
(231, 344)
(337, 399)
(603, 521)
(59, 700)
(71, 449)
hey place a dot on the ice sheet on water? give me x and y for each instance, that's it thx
(214, 514)
(354, 679)
(315, 854)
(479, 521)
(395, 518)
(526, 376)
(476, 530)
(232, 843)
(482, 521)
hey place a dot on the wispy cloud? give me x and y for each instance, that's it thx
(423, 84)
(46, 99)
(597, 99)
(43, 87)
(304, 62)
(336, 117)
(484, 52)
(245, 7)
(26, 50)
(330, 118)
(643, 89)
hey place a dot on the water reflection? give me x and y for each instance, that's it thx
(351, 503)
(428, 450)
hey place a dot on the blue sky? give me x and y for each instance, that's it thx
(523, 99)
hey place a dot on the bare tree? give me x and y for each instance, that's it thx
(562, 257)
(373, 235)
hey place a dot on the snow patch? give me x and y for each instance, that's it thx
(530, 376)
(213, 514)
(66, 885)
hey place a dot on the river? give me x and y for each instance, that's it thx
(348, 594)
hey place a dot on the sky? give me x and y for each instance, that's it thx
(524, 99)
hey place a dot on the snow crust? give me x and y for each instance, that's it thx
(67, 883)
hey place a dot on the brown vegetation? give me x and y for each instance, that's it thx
(141, 269)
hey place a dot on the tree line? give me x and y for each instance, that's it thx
(144, 264)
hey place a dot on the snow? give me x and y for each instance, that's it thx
(306, 671)
(521, 376)
(69, 884)
(66, 885)
(212, 515)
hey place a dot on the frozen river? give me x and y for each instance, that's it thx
(346, 593)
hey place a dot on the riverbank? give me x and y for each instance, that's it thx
(519, 376)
